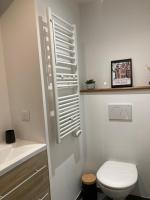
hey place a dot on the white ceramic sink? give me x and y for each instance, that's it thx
(14, 154)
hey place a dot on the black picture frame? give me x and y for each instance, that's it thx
(121, 73)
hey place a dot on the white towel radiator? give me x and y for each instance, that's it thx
(61, 64)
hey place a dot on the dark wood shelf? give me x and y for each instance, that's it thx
(98, 90)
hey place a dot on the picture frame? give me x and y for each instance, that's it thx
(121, 73)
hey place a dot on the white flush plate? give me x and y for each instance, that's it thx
(120, 112)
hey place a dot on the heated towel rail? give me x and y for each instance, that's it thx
(62, 73)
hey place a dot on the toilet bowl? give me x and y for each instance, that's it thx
(117, 179)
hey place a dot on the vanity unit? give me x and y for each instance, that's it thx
(27, 181)
(23, 165)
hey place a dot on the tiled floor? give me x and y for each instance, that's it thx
(101, 196)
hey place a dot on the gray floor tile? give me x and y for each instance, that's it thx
(102, 196)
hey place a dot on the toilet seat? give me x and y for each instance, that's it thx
(117, 175)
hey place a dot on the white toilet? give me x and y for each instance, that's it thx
(117, 179)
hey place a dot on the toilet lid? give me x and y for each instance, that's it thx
(117, 175)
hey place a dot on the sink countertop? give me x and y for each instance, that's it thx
(12, 155)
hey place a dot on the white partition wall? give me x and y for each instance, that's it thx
(66, 157)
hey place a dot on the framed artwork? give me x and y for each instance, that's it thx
(121, 73)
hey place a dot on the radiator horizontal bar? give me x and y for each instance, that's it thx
(58, 62)
(70, 125)
(68, 107)
(64, 49)
(64, 74)
(67, 104)
(62, 20)
(64, 31)
(59, 37)
(65, 116)
(74, 114)
(67, 43)
(63, 68)
(62, 136)
(65, 56)
(63, 28)
(64, 86)
(67, 97)
(66, 82)
(67, 111)
(68, 100)
(64, 35)
(69, 121)
(67, 79)
(70, 130)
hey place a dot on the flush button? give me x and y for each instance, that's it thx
(120, 112)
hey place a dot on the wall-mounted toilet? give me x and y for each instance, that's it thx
(117, 179)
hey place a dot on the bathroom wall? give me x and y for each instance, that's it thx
(123, 141)
(117, 29)
(22, 68)
(5, 117)
(66, 158)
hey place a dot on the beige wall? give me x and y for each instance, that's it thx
(22, 67)
(5, 117)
